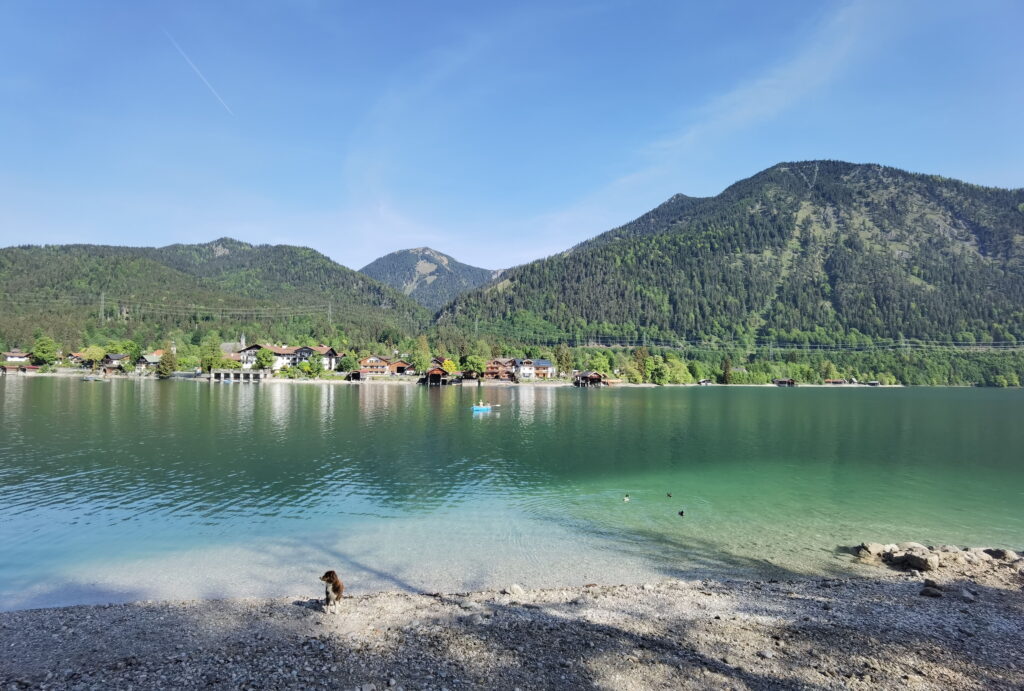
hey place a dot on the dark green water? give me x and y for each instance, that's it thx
(403, 487)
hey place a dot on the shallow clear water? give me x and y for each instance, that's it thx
(139, 489)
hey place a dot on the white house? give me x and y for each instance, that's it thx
(525, 369)
(17, 356)
(290, 356)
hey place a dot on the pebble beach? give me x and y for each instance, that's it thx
(957, 623)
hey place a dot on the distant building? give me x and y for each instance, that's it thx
(147, 362)
(588, 378)
(17, 356)
(543, 369)
(400, 367)
(373, 365)
(500, 368)
(114, 362)
(288, 356)
(330, 357)
(784, 382)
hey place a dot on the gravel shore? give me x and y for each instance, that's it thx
(879, 632)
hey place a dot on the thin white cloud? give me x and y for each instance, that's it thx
(824, 56)
(198, 73)
(770, 94)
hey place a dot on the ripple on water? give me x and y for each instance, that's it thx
(405, 486)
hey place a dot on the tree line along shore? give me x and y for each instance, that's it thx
(913, 365)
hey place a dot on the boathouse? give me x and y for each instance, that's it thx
(437, 376)
(588, 378)
(784, 382)
(236, 376)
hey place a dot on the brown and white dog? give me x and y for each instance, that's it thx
(333, 592)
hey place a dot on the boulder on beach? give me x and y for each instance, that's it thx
(870, 549)
(921, 562)
(912, 547)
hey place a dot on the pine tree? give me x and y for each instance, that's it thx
(167, 366)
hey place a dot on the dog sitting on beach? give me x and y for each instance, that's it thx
(333, 592)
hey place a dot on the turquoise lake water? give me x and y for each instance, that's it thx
(142, 489)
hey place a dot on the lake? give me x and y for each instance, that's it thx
(128, 489)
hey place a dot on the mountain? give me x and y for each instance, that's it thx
(427, 276)
(811, 252)
(225, 284)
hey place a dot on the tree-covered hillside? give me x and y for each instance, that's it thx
(277, 291)
(431, 278)
(818, 251)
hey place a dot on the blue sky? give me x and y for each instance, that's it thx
(495, 132)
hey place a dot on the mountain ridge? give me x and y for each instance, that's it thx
(809, 251)
(68, 287)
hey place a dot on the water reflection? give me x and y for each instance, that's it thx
(123, 469)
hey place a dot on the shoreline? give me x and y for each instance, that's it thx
(881, 630)
(559, 383)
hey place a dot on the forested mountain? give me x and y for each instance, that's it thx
(809, 252)
(271, 291)
(431, 278)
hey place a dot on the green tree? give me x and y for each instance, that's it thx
(563, 359)
(474, 363)
(44, 352)
(209, 352)
(658, 370)
(349, 363)
(168, 364)
(726, 371)
(449, 366)
(421, 355)
(92, 355)
(264, 359)
(316, 365)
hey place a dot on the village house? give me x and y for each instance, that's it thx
(148, 361)
(400, 367)
(247, 355)
(331, 357)
(524, 370)
(500, 368)
(543, 369)
(113, 363)
(17, 356)
(373, 365)
(287, 356)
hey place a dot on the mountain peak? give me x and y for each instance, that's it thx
(430, 277)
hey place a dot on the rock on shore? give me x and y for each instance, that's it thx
(805, 633)
(964, 561)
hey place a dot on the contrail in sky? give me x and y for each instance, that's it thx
(200, 74)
